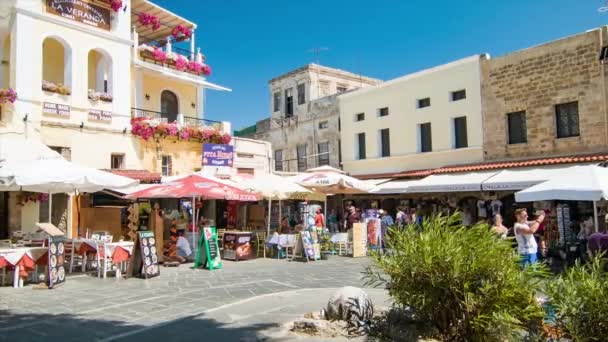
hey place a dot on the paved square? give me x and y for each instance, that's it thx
(87, 308)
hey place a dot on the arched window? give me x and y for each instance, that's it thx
(168, 105)
(100, 72)
(56, 62)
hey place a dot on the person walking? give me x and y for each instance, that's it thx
(386, 221)
(524, 234)
(400, 217)
(499, 227)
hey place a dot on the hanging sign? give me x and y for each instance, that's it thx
(56, 109)
(208, 252)
(81, 11)
(218, 155)
(100, 115)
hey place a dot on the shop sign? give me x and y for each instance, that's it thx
(56, 257)
(207, 254)
(81, 11)
(100, 115)
(218, 155)
(56, 109)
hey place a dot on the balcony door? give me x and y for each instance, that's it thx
(168, 105)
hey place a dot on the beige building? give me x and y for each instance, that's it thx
(423, 120)
(304, 126)
(547, 100)
(82, 72)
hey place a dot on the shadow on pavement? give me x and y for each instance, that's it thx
(64, 327)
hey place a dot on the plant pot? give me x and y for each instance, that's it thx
(325, 255)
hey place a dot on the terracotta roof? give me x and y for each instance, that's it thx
(492, 166)
(144, 176)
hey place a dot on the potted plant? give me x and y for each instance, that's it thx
(326, 246)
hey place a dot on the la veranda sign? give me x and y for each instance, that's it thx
(81, 11)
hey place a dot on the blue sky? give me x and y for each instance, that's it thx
(249, 42)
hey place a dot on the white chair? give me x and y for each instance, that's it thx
(71, 256)
(104, 261)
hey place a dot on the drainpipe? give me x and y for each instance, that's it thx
(603, 71)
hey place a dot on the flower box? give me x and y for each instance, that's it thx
(56, 88)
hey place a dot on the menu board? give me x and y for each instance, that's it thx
(563, 224)
(56, 269)
(374, 232)
(210, 250)
(237, 246)
(312, 250)
(144, 260)
(359, 236)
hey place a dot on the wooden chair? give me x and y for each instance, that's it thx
(6, 243)
(260, 240)
(71, 256)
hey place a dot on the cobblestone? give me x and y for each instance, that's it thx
(88, 308)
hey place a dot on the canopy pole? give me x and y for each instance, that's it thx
(50, 207)
(595, 216)
(280, 213)
(325, 213)
(269, 213)
(194, 245)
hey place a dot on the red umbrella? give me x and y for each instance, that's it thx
(195, 186)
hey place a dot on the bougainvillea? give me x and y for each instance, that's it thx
(8, 95)
(25, 197)
(206, 70)
(147, 128)
(115, 4)
(195, 67)
(159, 55)
(146, 19)
(181, 32)
(181, 63)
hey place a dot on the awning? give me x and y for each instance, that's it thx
(167, 18)
(520, 179)
(393, 187)
(451, 182)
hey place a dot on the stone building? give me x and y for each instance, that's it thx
(548, 100)
(304, 126)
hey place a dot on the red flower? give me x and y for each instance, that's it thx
(206, 69)
(115, 4)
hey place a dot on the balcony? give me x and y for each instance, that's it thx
(181, 119)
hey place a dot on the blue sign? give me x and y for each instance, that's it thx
(217, 155)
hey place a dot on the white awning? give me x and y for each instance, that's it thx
(521, 178)
(393, 187)
(451, 182)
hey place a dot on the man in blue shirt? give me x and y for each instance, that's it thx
(386, 222)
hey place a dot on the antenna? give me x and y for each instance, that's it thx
(317, 52)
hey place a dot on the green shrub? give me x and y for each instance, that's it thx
(580, 300)
(466, 282)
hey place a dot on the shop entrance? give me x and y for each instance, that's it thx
(4, 215)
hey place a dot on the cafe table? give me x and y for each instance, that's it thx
(22, 259)
(119, 252)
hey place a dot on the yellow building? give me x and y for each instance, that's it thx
(82, 72)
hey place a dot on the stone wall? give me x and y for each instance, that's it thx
(537, 79)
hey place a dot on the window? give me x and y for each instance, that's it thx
(516, 124)
(567, 120)
(245, 171)
(360, 117)
(301, 154)
(301, 94)
(459, 95)
(426, 102)
(385, 143)
(323, 124)
(167, 167)
(277, 101)
(341, 89)
(361, 146)
(460, 132)
(117, 161)
(168, 105)
(278, 160)
(426, 141)
(323, 151)
(289, 102)
(383, 111)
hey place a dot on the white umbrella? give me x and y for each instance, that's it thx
(273, 187)
(57, 175)
(577, 183)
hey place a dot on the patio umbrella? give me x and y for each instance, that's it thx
(195, 186)
(57, 175)
(331, 181)
(274, 187)
(577, 183)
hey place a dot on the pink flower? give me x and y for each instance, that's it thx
(180, 32)
(226, 138)
(8, 95)
(206, 69)
(115, 4)
(195, 67)
(159, 55)
(184, 134)
(172, 130)
(181, 63)
(146, 19)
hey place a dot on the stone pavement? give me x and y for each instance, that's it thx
(87, 308)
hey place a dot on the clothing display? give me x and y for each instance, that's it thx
(496, 206)
(481, 209)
